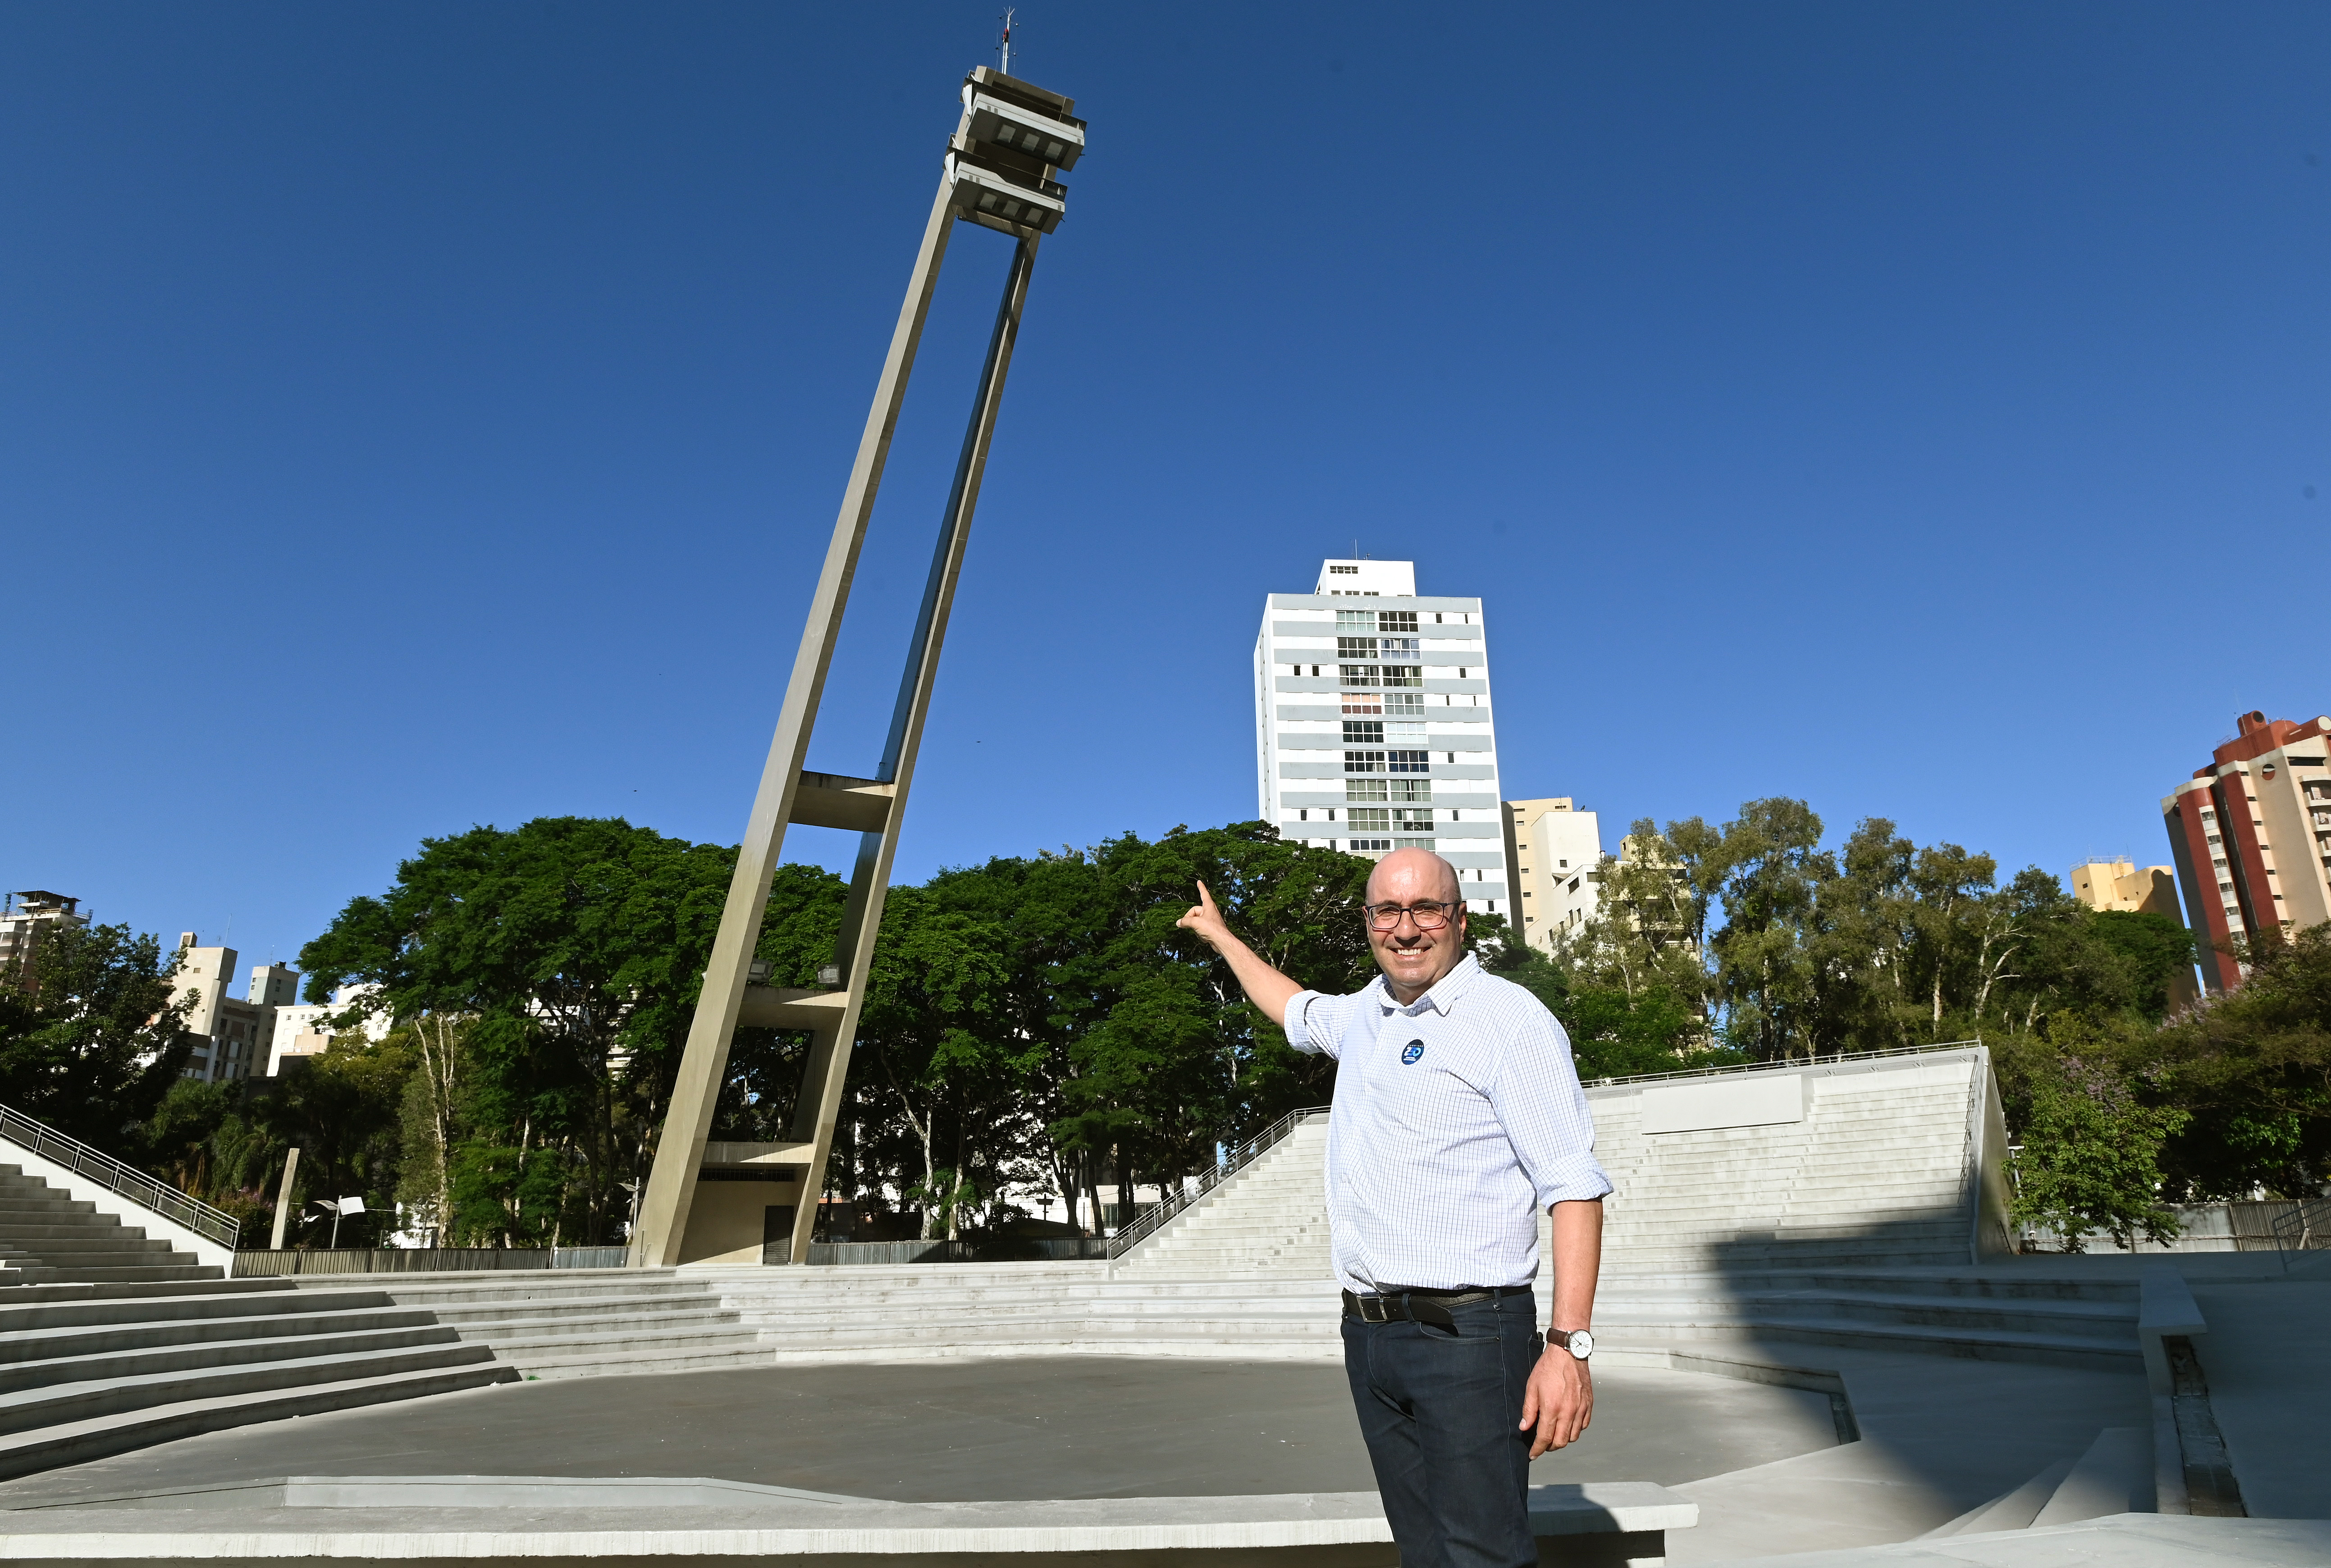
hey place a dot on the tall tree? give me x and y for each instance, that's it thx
(575, 948)
(90, 1040)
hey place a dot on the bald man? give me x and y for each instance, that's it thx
(1458, 1117)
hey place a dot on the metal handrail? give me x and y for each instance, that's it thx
(1813, 1060)
(1233, 1160)
(2307, 1228)
(113, 1175)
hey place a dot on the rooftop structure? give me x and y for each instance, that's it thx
(23, 918)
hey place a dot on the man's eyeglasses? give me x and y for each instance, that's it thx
(1428, 915)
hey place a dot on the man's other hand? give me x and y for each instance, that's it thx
(1559, 1401)
(1206, 919)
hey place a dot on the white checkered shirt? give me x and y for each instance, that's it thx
(1458, 1119)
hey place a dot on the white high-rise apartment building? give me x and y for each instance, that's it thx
(1373, 726)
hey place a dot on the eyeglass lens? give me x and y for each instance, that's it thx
(1428, 916)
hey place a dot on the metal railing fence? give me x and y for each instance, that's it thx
(2305, 1228)
(425, 1260)
(1233, 1161)
(114, 1176)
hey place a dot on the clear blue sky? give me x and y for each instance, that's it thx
(420, 415)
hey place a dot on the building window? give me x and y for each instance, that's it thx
(1360, 622)
(1365, 789)
(1412, 730)
(1356, 648)
(2225, 886)
(1396, 620)
(1400, 675)
(1412, 789)
(1364, 762)
(1360, 674)
(1365, 846)
(1365, 820)
(1343, 571)
(1403, 702)
(1412, 821)
(1410, 761)
(1302, 816)
(1361, 732)
(1394, 648)
(1363, 702)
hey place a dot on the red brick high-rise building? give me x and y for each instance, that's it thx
(2252, 835)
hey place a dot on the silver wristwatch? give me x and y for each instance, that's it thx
(1579, 1341)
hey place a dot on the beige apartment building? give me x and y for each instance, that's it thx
(2250, 834)
(24, 917)
(1555, 850)
(2123, 886)
(233, 1035)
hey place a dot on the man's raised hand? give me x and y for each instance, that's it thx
(1206, 919)
(1265, 987)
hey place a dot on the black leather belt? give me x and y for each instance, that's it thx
(1396, 1304)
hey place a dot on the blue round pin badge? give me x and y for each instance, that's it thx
(1415, 1050)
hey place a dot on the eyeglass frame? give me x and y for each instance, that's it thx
(1448, 912)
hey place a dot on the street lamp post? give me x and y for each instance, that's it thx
(999, 172)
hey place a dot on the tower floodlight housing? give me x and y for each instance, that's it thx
(760, 1200)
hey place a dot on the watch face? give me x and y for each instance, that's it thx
(1582, 1344)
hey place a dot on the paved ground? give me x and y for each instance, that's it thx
(1070, 1427)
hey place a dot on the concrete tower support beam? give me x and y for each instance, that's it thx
(873, 806)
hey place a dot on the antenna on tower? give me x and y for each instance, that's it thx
(1004, 48)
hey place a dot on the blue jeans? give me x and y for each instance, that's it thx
(1441, 1413)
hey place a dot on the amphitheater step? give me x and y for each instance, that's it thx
(98, 1436)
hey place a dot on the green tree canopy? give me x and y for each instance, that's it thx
(90, 1040)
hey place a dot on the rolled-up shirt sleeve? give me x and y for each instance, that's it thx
(1538, 1097)
(1315, 1022)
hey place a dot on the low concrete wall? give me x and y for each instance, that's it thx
(84, 1189)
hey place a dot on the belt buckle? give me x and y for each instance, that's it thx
(1378, 1316)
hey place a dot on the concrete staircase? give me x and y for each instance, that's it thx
(88, 1369)
(111, 1341)
(1270, 1219)
(586, 1321)
(1850, 1226)
(1876, 1174)
(47, 1237)
(1990, 1316)
(913, 1312)
(595, 1323)
(2113, 1476)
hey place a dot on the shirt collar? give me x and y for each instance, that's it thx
(1445, 992)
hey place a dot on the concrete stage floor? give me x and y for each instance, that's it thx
(944, 1431)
